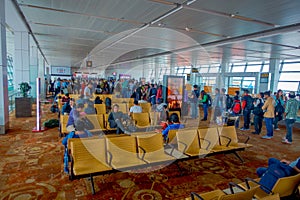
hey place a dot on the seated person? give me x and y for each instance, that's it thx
(79, 132)
(116, 119)
(90, 109)
(98, 100)
(174, 124)
(74, 114)
(66, 109)
(66, 98)
(276, 169)
(80, 100)
(163, 117)
(135, 108)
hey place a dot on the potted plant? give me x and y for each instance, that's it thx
(23, 104)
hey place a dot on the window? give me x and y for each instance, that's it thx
(214, 69)
(266, 67)
(291, 67)
(238, 68)
(288, 86)
(203, 69)
(289, 76)
(253, 68)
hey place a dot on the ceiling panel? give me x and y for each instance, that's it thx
(108, 30)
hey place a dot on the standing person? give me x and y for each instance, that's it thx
(269, 108)
(159, 94)
(194, 102)
(290, 114)
(152, 95)
(258, 113)
(247, 105)
(217, 105)
(236, 108)
(88, 91)
(279, 109)
(204, 101)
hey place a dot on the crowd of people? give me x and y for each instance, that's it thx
(264, 107)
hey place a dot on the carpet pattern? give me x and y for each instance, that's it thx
(31, 167)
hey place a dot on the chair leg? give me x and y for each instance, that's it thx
(238, 156)
(92, 184)
(178, 167)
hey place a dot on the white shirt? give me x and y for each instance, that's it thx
(87, 91)
(135, 109)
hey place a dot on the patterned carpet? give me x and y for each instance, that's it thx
(31, 167)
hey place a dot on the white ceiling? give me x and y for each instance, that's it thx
(118, 31)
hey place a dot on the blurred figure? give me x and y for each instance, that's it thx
(290, 114)
(204, 101)
(279, 109)
(258, 113)
(269, 108)
(194, 102)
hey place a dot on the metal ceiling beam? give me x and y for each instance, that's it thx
(229, 15)
(242, 38)
(29, 28)
(82, 14)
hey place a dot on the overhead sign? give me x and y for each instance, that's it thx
(264, 78)
(195, 70)
(61, 71)
(89, 63)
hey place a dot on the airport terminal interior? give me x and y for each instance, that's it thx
(149, 99)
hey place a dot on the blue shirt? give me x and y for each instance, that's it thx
(71, 119)
(295, 163)
(171, 127)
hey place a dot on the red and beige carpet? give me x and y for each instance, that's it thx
(31, 167)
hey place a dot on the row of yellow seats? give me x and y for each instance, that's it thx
(93, 156)
(205, 141)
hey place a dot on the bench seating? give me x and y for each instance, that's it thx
(221, 195)
(92, 156)
(285, 186)
(208, 141)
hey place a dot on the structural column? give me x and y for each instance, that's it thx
(274, 70)
(41, 74)
(4, 123)
(21, 68)
(33, 66)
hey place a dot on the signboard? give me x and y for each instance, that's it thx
(60, 71)
(188, 77)
(124, 76)
(264, 78)
(173, 92)
(208, 89)
(195, 70)
(231, 90)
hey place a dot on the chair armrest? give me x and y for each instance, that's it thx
(194, 194)
(109, 156)
(185, 146)
(229, 140)
(247, 139)
(251, 180)
(209, 142)
(144, 152)
(232, 184)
